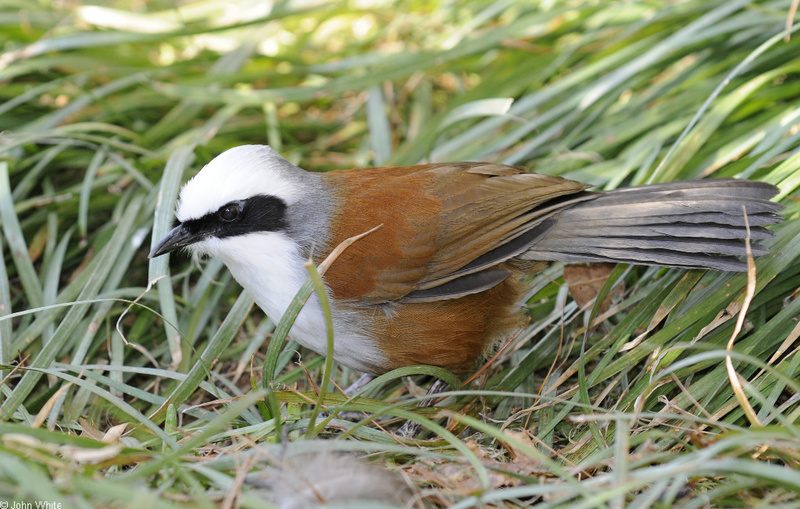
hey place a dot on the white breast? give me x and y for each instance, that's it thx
(269, 266)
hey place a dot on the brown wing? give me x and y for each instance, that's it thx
(439, 220)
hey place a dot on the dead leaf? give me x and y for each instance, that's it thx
(115, 433)
(585, 281)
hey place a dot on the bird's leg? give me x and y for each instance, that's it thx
(359, 384)
(411, 428)
(352, 389)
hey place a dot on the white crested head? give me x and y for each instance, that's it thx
(264, 218)
(249, 193)
(238, 174)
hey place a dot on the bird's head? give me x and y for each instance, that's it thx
(246, 191)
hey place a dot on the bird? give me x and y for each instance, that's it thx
(443, 275)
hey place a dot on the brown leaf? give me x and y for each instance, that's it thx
(585, 281)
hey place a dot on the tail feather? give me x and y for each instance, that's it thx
(685, 231)
(694, 245)
(690, 224)
(676, 204)
(715, 218)
(659, 258)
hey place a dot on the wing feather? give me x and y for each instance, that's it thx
(437, 219)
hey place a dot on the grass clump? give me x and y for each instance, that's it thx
(128, 382)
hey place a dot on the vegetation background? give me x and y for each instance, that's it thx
(106, 108)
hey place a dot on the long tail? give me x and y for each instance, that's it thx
(689, 224)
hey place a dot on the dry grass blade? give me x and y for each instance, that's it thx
(736, 383)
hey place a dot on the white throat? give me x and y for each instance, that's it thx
(269, 265)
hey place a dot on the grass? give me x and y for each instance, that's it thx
(129, 382)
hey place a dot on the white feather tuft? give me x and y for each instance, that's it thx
(237, 174)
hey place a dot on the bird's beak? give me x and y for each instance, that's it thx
(177, 238)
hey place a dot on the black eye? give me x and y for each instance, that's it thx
(229, 212)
